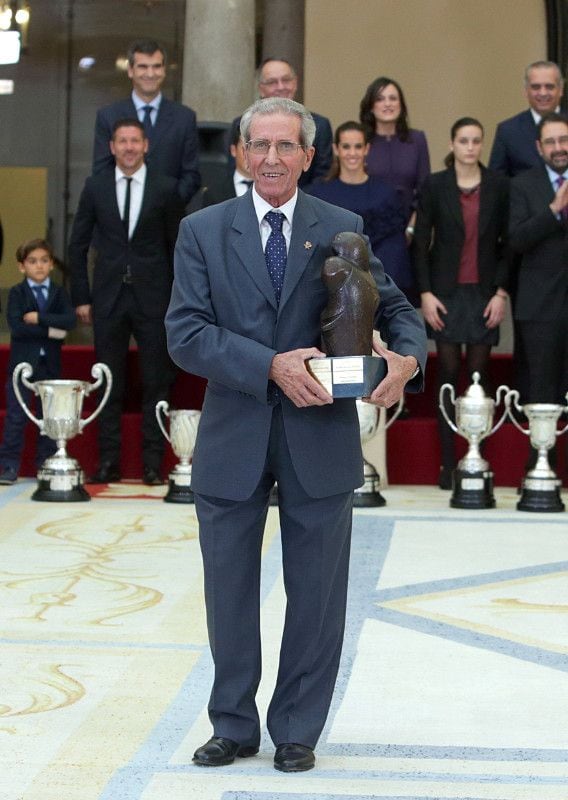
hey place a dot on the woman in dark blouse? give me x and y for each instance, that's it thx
(461, 264)
(349, 186)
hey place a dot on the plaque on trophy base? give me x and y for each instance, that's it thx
(540, 493)
(348, 376)
(472, 489)
(60, 478)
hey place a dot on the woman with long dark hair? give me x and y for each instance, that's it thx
(461, 264)
(348, 185)
(398, 153)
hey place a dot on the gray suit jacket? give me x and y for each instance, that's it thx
(223, 323)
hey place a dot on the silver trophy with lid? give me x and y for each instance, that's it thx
(474, 411)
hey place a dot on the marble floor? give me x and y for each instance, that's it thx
(454, 677)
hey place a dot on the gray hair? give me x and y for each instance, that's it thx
(280, 105)
(544, 65)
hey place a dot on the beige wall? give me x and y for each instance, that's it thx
(24, 214)
(452, 59)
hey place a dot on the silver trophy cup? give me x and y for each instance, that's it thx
(60, 478)
(182, 435)
(540, 489)
(369, 494)
(473, 478)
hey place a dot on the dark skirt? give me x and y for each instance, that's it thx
(464, 321)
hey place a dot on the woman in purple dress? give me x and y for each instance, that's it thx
(398, 154)
(349, 186)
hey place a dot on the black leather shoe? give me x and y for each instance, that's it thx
(219, 751)
(106, 473)
(152, 477)
(294, 758)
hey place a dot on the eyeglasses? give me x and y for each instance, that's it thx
(260, 147)
(286, 80)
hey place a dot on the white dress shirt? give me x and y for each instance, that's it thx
(241, 182)
(136, 194)
(261, 208)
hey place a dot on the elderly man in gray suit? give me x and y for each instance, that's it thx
(245, 314)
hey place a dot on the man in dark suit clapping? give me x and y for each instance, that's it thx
(538, 232)
(131, 214)
(170, 127)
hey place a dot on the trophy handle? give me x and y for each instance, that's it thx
(98, 371)
(163, 405)
(442, 407)
(25, 371)
(513, 395)
(564, 411)
(505, 390)
(396, 414)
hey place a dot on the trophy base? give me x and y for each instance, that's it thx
(368, 495)
(472, 490)
(46, 493)
(60, 480)
(179, 488)
(348, 376)
(540, 495)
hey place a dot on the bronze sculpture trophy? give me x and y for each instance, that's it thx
(350, 369)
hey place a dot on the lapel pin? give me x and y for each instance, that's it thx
(308, 245)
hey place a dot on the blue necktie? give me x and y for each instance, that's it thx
(275, 252)
(41, 298)
(147, 121)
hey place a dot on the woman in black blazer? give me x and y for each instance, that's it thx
(461, 264)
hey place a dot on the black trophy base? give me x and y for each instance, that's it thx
(368, 495)
(363, 499)
(348, 376)
(46, 494)
(472, 490)
(547, 501)
(178, 493)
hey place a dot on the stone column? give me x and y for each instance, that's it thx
(283, 35)
(218, 59)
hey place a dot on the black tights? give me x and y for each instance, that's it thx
(449, 364)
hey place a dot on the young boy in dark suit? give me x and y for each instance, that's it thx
(39, 315)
